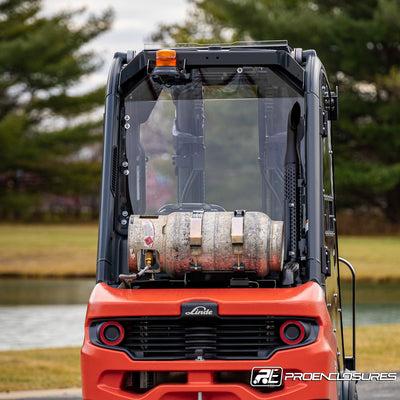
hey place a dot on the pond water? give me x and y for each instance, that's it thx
(29, 327)
(14, 292)
(43, 313)
(373, 314)
(51, 313)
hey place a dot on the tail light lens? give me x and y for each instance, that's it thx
(111, 333)
(293, 332)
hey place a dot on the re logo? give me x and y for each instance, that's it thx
(266, 377)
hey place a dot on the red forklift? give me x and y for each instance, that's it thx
(218, 269)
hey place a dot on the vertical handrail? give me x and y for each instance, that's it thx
(350, 267)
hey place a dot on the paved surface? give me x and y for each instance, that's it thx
(366, 391)
(379, 390)
(60, 394)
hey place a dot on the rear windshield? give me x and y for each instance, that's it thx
(218, 138)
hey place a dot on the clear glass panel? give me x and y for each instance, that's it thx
(219, 139)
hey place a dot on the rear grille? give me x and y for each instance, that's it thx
(180, 338)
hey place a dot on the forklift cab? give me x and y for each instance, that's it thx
(217, 181)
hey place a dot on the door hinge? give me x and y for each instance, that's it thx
(331, 105)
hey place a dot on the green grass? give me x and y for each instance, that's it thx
(40, 369)
(375, 258)
(378, 349)
(48, 250)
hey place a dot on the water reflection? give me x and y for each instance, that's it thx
(373, 314)
(42, 313)
(45, 291)
(28, 327)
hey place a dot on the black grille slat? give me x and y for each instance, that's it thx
(166, 353)
(245, 344)
(153, 339)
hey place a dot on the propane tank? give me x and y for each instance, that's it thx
(207, 241)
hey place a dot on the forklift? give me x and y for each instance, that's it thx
(218, 267)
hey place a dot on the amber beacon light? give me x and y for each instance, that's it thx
(166, 58)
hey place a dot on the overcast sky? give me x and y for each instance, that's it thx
(134, 21)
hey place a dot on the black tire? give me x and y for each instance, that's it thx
(349, 390)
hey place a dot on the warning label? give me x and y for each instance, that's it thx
(149, 233)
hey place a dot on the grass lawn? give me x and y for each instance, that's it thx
(70, 250)
(377, 347)
(60, 368)
(48, 250)
(40, 369)
(375, 258)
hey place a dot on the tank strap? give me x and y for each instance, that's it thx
(237, 232)
(195, 237)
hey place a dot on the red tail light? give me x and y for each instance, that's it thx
(111, 333)
(292, 332)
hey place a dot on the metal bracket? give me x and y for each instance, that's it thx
(326, 261)
(331, 105)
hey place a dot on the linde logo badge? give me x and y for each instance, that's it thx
(200, 310)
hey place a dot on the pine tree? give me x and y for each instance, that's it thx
(43, 125)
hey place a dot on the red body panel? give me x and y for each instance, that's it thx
(103, 370)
